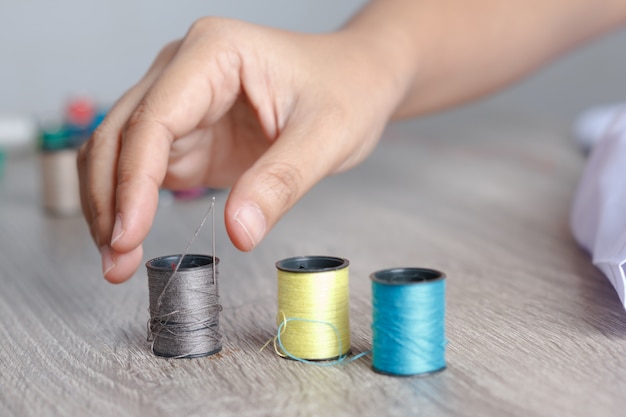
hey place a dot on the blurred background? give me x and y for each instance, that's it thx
(53, 50)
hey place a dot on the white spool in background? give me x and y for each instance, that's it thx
(17, 132)
(60, 188)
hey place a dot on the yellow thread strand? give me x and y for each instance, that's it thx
(266, 343)
(277, 349)
(275, 338)
(316, 304)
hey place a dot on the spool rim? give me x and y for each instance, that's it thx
(191, 356)
(328, 359)
(407, 276)
(312, 264)
(417, 375)
(164, 263)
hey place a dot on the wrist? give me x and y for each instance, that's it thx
(387, 46)
(382, 60)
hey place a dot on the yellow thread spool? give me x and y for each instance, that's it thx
(313, 307)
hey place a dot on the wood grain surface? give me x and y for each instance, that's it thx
(534, 329)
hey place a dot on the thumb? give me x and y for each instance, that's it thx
(278, 179)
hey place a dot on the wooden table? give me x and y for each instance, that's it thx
(533, 327)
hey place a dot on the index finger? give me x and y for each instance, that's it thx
(190, 90)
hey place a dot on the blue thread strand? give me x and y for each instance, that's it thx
(408, 327)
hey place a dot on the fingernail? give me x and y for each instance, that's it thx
(108, 262)
(118, 231)
(252, 221)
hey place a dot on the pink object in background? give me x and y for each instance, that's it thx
(190, 194)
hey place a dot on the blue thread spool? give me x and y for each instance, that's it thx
(408, 321)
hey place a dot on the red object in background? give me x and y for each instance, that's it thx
(80, 111)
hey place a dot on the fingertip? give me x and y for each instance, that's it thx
(246, 225)
(119, 267)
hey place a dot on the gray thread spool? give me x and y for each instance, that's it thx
(184, 309)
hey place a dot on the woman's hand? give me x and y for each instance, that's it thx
(265, 111)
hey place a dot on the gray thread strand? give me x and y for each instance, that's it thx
(184, 309)
(195, 235)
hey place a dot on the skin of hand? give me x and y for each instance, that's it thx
(265, 111)
(270, 112)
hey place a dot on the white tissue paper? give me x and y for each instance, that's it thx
(598, 218)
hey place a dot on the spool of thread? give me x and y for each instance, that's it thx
(59, 175)
(184, 309)
(80, 120)
(313, 309)
(408, 321)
